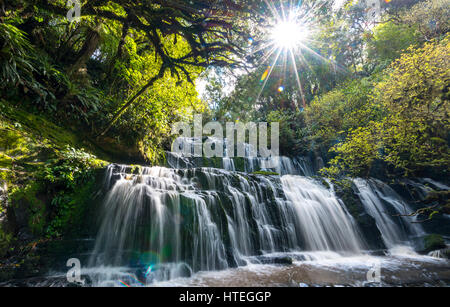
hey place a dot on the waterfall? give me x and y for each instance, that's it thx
(325, 224)
(183, 221)
(178, 222)
(161, 223)
(252, 162)
(389, 210)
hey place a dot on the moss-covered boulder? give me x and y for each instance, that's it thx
(47, 194)
(433, 242)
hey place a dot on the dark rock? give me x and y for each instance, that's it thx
(346, 191)
(433, 242)
(285, 260)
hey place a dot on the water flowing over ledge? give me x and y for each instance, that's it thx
(160, 224)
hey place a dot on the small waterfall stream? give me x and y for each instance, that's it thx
(389, 211)
(324, 222)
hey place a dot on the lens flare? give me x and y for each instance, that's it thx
(265, 74)
(124, 284)
(289, 34)
(149, 270)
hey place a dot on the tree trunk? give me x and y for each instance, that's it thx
(90, 45)
(119, 113)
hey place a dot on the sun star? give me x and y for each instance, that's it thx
(289, 38)
(289, 34)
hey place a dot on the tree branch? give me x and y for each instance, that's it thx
(119, 113)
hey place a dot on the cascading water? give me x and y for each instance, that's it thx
(389, 211)
(282, 165)
(324, 222)
(202, 219)
(162, 223)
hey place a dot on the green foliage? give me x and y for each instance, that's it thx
(82, 73)
(70, 169)
(430, 19)
(293, 131)
(413, 134)
(55, 200)
(332, 115)
(357, 154)
(70, 179)
(15, 60)
(28, 71)
(325, 115)
(148, 125)
(417, 95)
(388, 41)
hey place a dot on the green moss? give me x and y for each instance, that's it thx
(239, 164)
(214, 162)
(30, 129)
(37, 123)
(265, 173)
(433, 242)
(326, 184)
(26, 200)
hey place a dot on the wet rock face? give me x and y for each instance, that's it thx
(425, 192)
(366, 223)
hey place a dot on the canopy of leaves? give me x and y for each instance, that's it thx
(413, 136)
(137, 60)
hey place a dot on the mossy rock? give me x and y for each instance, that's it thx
(441, 197)
(265, 173)
(239, 164)
(324, 182)
(345, 190)
(433, 242)
(36, 123)
(28, 209)
(214, 162)
(25, 131)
